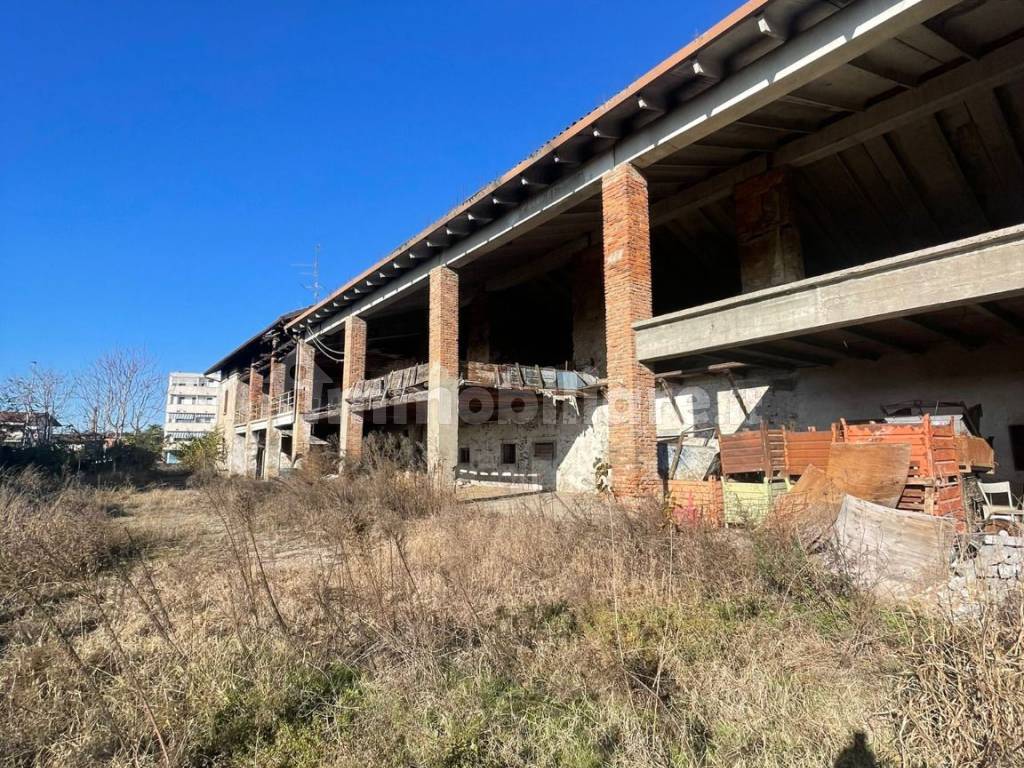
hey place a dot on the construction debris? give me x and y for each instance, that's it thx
(894, 552)
(409, 385)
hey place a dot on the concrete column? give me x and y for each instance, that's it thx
(443, 378)
(272, 460)
(302, 429)
(353, 371)
(255, 400)
(632, 436)
(767, 236)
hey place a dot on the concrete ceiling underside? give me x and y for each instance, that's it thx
(957, 329)
(946, 174)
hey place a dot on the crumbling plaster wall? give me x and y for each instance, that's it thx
(579, 439)
(855, 389)
(236, 453)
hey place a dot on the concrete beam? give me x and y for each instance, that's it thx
(978, 269)
(997, 68)
(836, 40)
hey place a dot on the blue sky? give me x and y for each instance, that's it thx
(164, 165)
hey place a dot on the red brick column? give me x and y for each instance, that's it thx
(443, 377)
(766, 231)
(301, 431)
(353, 371)
(632, 436)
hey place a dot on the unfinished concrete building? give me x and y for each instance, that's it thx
(811, 211)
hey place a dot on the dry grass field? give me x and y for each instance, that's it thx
(370, 620)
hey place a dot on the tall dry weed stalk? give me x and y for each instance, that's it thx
(961, 692)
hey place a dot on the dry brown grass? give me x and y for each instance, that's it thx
(369, 620)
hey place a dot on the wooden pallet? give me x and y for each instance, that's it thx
(933, 480)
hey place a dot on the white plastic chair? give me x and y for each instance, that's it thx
(1010, 510)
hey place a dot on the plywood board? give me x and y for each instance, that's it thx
(875, 472)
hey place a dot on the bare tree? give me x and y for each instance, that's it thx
(121, 391)
(42, 394)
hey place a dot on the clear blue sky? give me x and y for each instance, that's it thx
(163, 165)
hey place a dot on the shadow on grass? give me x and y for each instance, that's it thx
(858, 754)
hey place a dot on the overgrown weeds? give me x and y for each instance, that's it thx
(369, 619)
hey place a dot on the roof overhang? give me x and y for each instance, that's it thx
(777, 47)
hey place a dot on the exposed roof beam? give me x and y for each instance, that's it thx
(965, 340)
(750, 358)
(837, 39)
(541, 265)
(806, 101)
(841, 350)
(994, 311)
(901, 79)
(707, 191)
(786, 355)
(749, 123)
(883, 340)
(995, 69)
(942, 38)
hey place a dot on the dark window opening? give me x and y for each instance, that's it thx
(463, 455)
(1017, 445)
(544, 451)
(508, 453)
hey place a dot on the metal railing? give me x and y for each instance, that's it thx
(283, 403)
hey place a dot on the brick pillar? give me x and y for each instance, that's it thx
(302, 429)
(272, 459)
(632, 437)
(255, 400)
(766, 232)
(353, 371)
(443, 377)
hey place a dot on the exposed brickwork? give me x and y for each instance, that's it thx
(632, 436)
(766, 231)
(353, 371)
(443, 383)
(303, 400)
(255, 391)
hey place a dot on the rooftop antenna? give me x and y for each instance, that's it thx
(312, 272)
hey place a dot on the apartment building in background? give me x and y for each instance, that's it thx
(191, 409)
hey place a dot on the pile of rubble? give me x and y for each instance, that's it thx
(993, 560)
